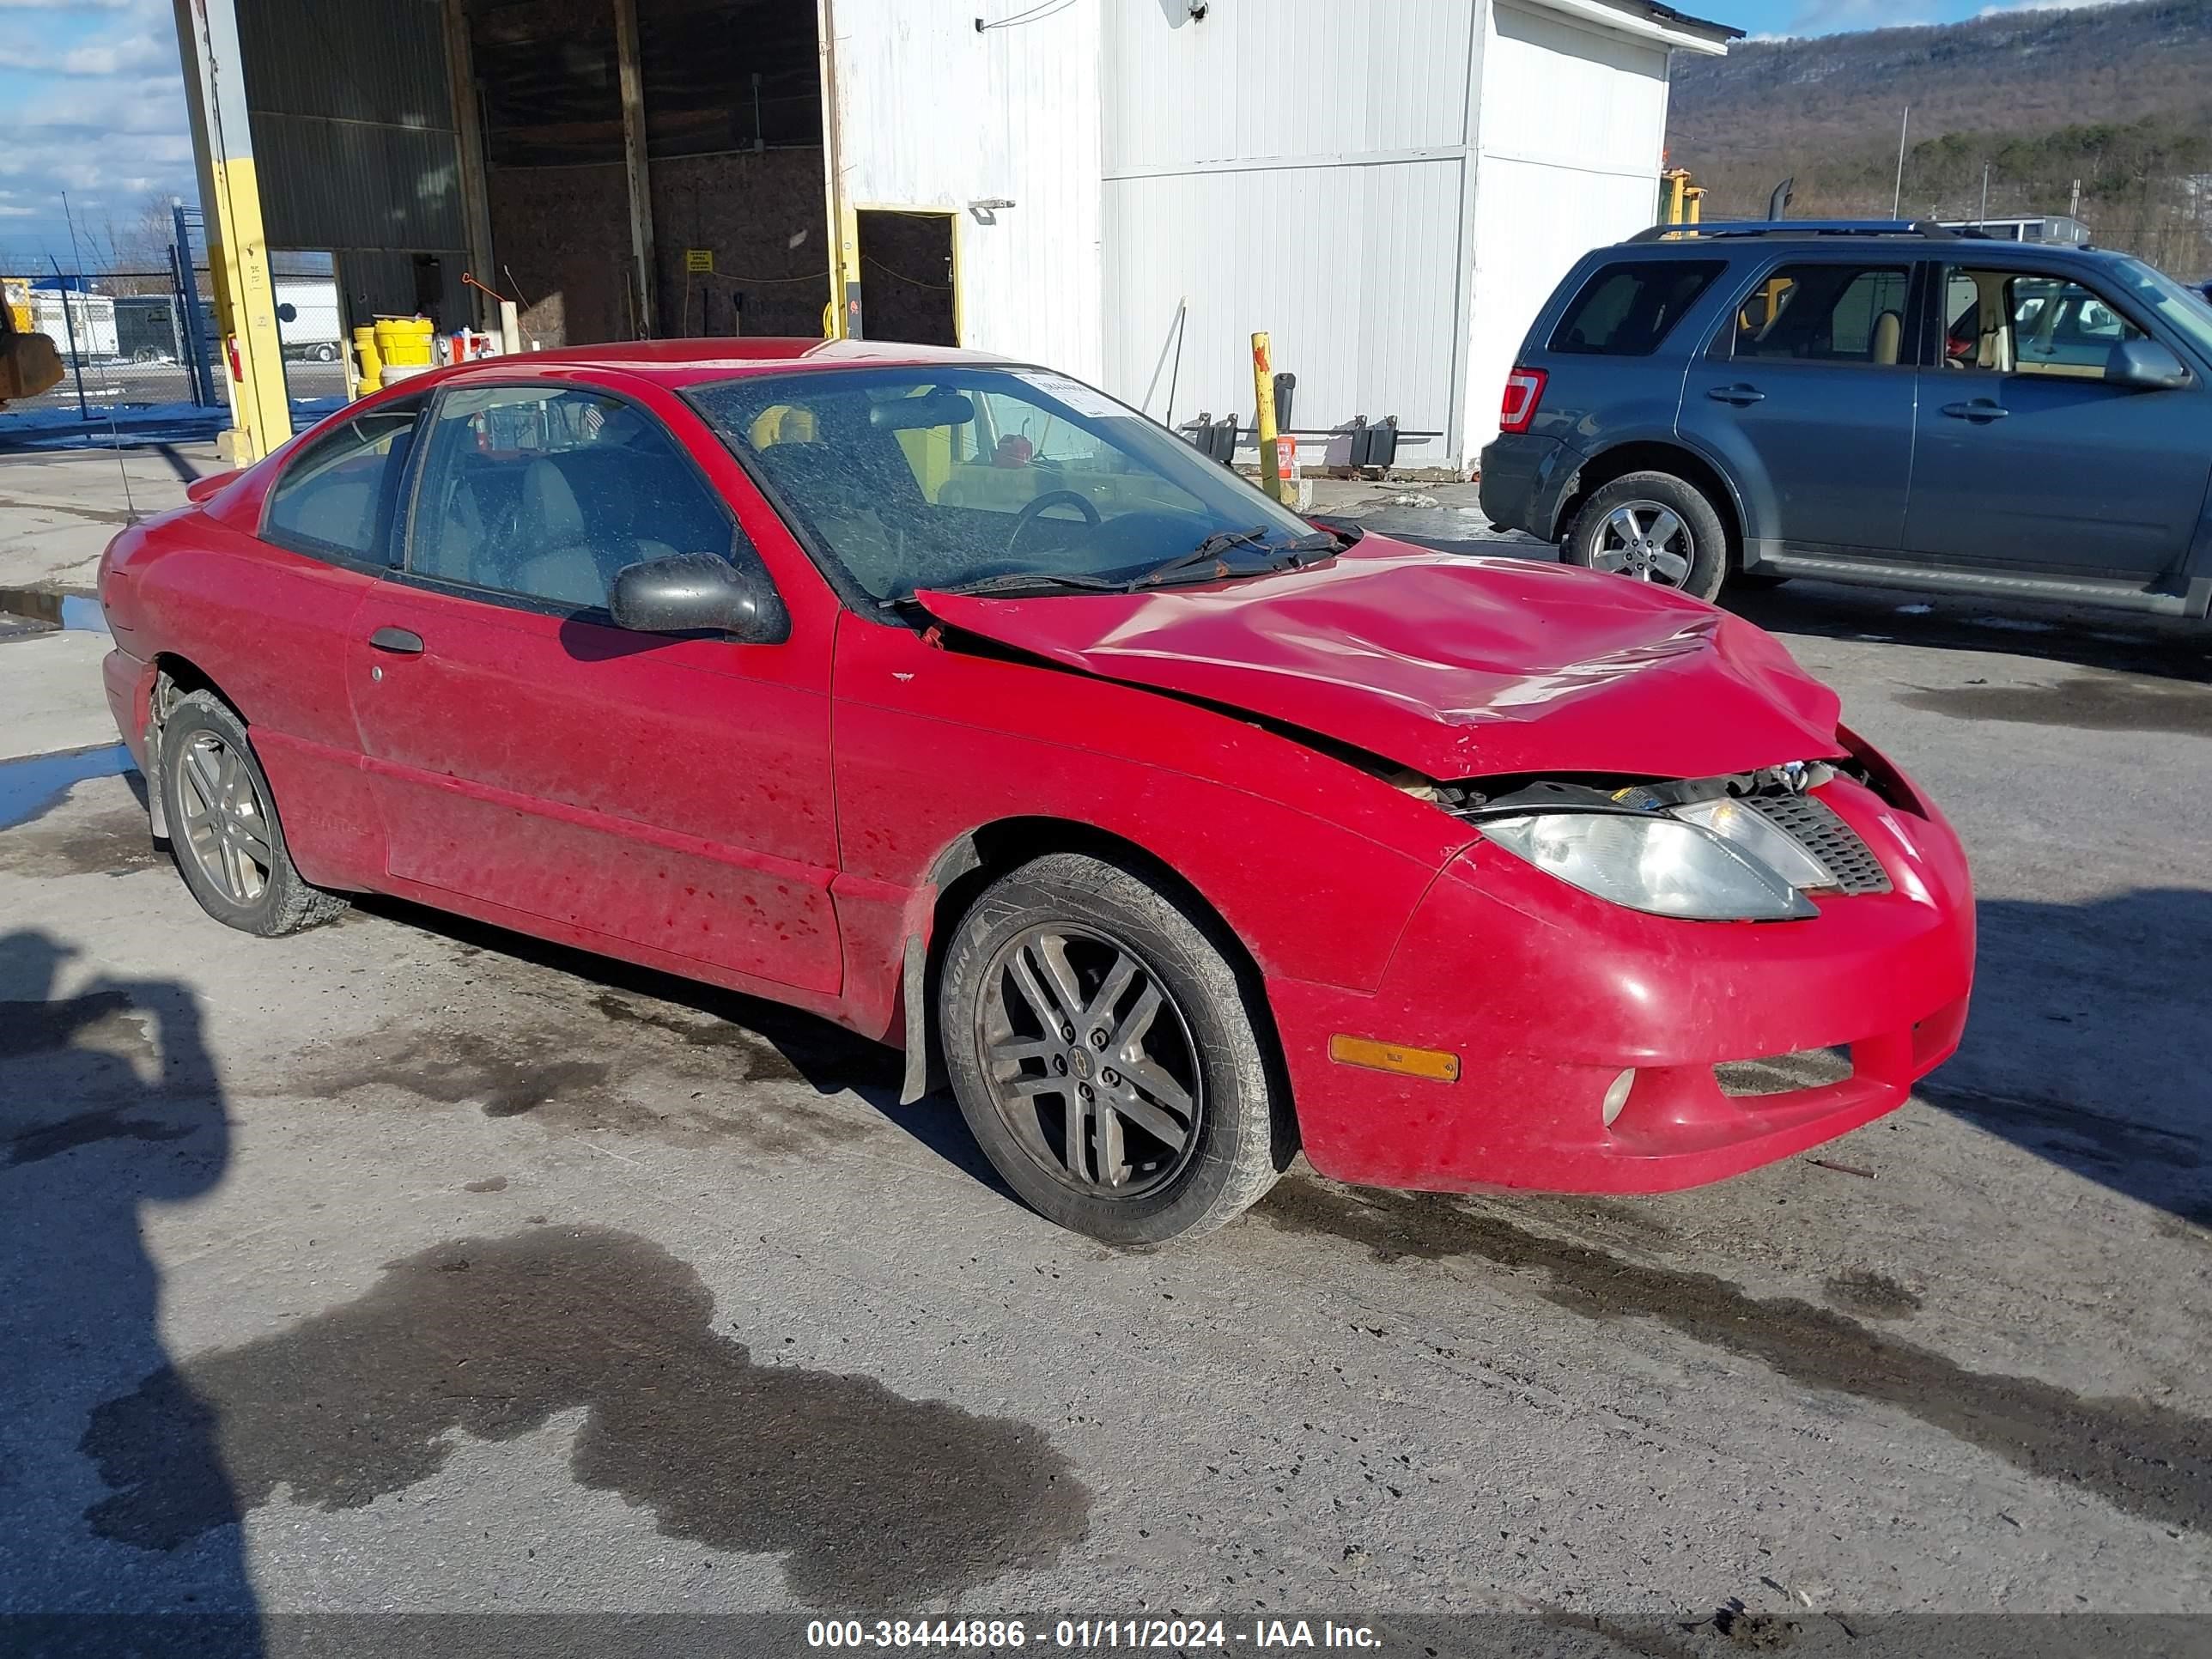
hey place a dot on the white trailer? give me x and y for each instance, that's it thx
(308, 321)
(85, 329)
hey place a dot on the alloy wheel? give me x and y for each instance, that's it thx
(1647, 540)
(227, 823)
(1090, 1062)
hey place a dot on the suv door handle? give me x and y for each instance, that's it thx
(1738, 394)
(1981, 411)
(406, 643)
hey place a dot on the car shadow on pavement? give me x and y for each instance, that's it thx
(112, 1104)
(2150, 648)
(2084, 1044)
(831, 1060)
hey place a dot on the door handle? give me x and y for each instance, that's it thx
(1981, 411)
(399, 640)
(1739, 395)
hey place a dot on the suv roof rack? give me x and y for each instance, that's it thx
(1927, 228)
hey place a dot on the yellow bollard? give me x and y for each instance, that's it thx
(1263, 389)
(372, 363)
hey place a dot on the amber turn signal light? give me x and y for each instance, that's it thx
(1430, 1063)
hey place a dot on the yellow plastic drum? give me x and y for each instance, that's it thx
(372, 362)
(405, 342)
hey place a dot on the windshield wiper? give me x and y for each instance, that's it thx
(1212, 547)
(1283, 555)
(1014, 581)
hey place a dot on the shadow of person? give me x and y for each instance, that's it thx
(109, 1103)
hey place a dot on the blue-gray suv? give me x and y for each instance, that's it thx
(1886, 403)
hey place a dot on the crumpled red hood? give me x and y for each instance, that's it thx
(1457, 667)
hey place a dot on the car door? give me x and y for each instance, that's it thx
(2025, 457)
(671, 794)
(279, 611)
(1806, 397)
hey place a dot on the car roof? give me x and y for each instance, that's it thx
(1727, 237)
(687, 362)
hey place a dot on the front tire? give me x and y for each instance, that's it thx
(223, 829)
(1106, 1056)
(1653, 527)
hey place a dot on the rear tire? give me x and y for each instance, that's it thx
(1654, 527)
(1106, 1056)
(223, 829)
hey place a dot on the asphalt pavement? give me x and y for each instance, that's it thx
(407, 1266)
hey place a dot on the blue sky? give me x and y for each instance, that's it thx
(91, 103)
(1763, 17)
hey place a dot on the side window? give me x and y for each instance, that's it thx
(547, 492)
(1827, 313)
(2015, 322)
(2063, 328)
(338, 495)
(1625, 310)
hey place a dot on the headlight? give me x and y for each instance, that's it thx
(1653, 863)
(1733, 820)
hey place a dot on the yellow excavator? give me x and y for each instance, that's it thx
(28, 362)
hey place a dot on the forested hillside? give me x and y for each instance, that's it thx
(2117, 97)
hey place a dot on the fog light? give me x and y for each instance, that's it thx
(1617, 1095)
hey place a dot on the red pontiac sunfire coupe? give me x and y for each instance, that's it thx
(953, 701)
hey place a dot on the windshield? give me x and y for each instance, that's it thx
(2181, 309)
(942, 477)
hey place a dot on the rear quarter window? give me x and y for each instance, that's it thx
(1625, 309)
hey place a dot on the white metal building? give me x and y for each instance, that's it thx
(1391, 188)
(1432, 168)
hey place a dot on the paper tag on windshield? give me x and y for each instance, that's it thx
(1076, 395)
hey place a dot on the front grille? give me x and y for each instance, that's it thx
(1813, 824)
(1783, 1074)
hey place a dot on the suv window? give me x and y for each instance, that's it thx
(336, 496)
(547, 492)
(1827, 313)
(1625, 310)
(2035, 324)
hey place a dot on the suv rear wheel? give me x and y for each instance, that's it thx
(1653, 527)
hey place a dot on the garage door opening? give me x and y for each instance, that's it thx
(908, 276)
(725, 235)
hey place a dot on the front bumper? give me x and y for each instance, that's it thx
(1547, 995)
(128, 683)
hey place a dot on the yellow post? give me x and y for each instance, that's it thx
(1263, 392)
(238, 250)
(1696, 194)
(1676, 178)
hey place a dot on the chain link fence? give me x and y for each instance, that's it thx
(141, 348)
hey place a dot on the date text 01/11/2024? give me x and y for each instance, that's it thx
(1089, 1634)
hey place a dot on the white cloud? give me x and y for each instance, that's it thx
(131, 54)
(149, 104)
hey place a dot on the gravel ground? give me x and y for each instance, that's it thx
(406, 1266)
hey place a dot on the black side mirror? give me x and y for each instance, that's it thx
(699, 593)
(2144, 366)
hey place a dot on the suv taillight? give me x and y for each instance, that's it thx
(1524, 389)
